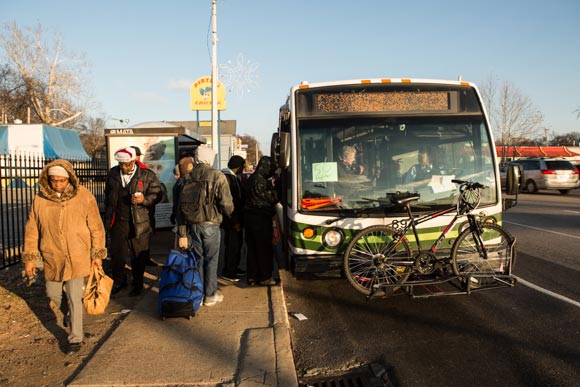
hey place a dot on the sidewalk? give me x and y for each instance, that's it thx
(243, 341)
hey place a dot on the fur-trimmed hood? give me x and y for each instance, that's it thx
(44, 186)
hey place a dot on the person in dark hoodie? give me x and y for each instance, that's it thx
(232, 228)
(261, 198)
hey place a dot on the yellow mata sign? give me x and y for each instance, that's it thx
(200, 94)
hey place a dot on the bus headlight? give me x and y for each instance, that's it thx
(332, 238)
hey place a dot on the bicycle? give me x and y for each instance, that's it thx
(379, 259)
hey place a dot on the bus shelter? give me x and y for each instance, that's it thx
(161, 146)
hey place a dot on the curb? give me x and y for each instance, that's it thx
(285, 367)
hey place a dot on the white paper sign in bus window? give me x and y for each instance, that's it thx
(324, 172)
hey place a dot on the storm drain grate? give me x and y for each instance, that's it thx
(372, 375)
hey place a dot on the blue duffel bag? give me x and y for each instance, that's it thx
(180, 286)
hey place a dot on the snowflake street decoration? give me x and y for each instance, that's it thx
(240, 77)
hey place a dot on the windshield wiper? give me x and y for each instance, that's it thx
(391, 200)
(355, 213)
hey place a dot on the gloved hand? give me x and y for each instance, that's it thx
(183, 243)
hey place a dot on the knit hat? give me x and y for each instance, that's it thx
(125, 155)
(236, 162)
(204, 154)
(57, 170)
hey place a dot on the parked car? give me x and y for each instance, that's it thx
(546, 173)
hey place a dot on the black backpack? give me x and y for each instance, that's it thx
(191, 199)
(195, 199)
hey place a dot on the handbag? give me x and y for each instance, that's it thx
(97, 291)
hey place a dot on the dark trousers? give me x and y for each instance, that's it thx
(233, 241)
(258, 229)
(125, 249)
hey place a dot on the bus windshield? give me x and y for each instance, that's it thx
(350, 164)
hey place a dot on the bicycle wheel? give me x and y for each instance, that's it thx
(374, 257)
(493, 256)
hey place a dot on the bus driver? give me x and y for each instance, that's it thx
(347, 165)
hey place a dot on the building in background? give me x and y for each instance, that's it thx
(229, 142)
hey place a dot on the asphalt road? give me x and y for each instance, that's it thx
(521, 336)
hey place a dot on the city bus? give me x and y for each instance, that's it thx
(342, 146)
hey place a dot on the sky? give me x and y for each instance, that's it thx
(145, 55)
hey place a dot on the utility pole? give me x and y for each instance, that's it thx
(214, 85)
(547, 130)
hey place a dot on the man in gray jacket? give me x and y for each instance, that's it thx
(204, 200)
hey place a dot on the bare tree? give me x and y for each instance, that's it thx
(253, 153)
(53, 81)
(566, 139)
(512, 114)
(13, 102)
(92, 135)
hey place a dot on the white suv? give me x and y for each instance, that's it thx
(544, 173)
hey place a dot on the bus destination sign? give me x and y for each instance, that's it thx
(376, 102)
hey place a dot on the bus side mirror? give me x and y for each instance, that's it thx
(280, 149)
(514, 179)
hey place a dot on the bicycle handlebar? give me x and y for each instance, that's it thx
(469, 184)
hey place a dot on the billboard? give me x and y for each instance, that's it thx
(201, 95)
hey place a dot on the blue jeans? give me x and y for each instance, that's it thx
(206, 246)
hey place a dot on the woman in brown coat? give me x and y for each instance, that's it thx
(65, 231)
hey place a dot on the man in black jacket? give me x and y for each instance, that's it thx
(130, 192)
(261, 198)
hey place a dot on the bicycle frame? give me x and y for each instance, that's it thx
(413, 222)
(422, 219)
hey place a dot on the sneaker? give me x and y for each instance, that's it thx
(212, 300)
(73, 347)
(240, 272)
(270, 281)
(231, 278)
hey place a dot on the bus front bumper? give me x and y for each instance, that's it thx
(318, 266)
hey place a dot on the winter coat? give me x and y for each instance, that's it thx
(66, 232)
(260, 195)
(145, 181)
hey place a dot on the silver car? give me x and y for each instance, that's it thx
(548, 173)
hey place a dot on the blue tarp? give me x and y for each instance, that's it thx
(57, 143)
(60, 143)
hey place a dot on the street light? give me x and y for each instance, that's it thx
(122, 121)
